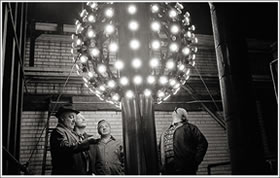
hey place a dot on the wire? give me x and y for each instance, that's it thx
(206, 88)
(58, 98)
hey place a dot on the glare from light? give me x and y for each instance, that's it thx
(91, 33)
(102, 88)
(119, 65)
(155, 8)
(155, 26)
(113, 47)
(93, 5)
(137, 80)
(172, 13)
(124, 81)
(111, 84)
(91, 18)
(101, 68)
(116, 97)
(109, 12)
(186, 51)
(134, 44)
(164, 99)
(132, 9)
(155, 44)
(182, 67)
(174, 29)
(173, 47)
(129, 94)
(78, 42)
(133, 25)
(172, 82)
(94, 52)
(83, 59)
(90, 74)
(154, 62)
(177, 85)
(147, 92)
(170, 64)
(151, 79)
(160, 94)
(136, 63)
(163, 80)
(109, 29)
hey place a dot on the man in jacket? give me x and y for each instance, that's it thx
(66, 148)
(182, 146)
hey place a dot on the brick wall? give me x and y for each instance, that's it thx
(33, 122)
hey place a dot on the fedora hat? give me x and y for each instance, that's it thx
(65, 108)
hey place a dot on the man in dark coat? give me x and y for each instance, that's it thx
(66, 148)
(182, 146)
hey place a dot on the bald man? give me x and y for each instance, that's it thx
(182, 146)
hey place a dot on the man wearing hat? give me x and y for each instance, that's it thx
(182, 146)
(66, 148)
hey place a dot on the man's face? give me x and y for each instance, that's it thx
(104, 128)
(68, 119)
(80, 121)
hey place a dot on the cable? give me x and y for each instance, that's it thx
(58, 98)
(206, 88)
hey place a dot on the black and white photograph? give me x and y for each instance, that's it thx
(139, 88)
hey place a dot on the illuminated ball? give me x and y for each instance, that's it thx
(151, 79)
(137, 80)
(101, 68)
(119, 65)
(134, 44)
(136, 63)
(132, 9)
(155, 44)
(124, 81)
(133, 25)
(155, 26)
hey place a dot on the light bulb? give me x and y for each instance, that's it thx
(113, 47)
(83, 59)
(154, 62)
(102, 88)
(111, 83)
(136, 63)
(94, 52)
(155, 8)
(129, 94)
(134, 44)
(109, 29)
(91, 18)
(182, 67)
(172, 82)
(91, 33)
(155, 44)
(109, 12)
(174, 29)
(147, 92)
(137, 80)
(151, 79)
(124, 81)
(160, 94)
(132, 9)
(119, 65)
(78, 42)
(170, 64)
(163, 80)
(155, 26)
(133, 25)
(173, 47)
(93, 5)
(172, 13)
(90, 74)
(101, 68)
(186, 51)
(116, 97)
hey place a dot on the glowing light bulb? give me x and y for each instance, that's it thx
(93, 5)
(134, 44)
(124, 81)
(163, 80)
(160, 94)
(83, 59)
(174, 29)
(94, 52)
(132, 9)
(111, 83)
(182, 67)
(172, 82)
(155, 26)
(154, 62)
(136, 63)
(172, 13)
(173, 47)
(151, 79)
(133, 25)
(137, 80)
(147, 92)
(119, 65)
(186, 51)
(109, 12)
(113, 47)
(101, 68)
(116, 97)
(102, 88)
(170, 64)
(155, 8)
(109, 29)
(129, 94)
(155, 44)
(78, 42)
(90, 74)
(91, 18)
(91, 33)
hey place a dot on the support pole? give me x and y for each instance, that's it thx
(246, 149)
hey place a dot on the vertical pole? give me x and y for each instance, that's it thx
(246, 149)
